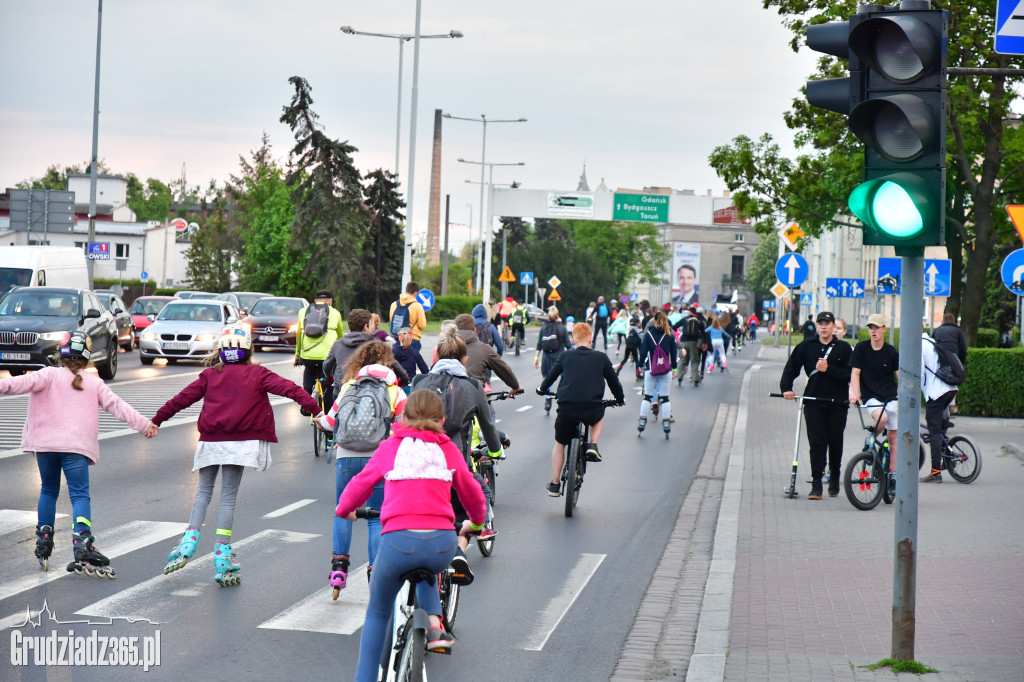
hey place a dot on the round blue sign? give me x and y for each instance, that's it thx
(426, 298)
(144, 276)
(791, 269)
(1013, 272)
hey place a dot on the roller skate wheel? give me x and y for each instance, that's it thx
(106, 572)
(337, 591)
(44, 564)
(89, 570)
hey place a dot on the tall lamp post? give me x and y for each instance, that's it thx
(483, 161)
(402, 39)
(95, 141)
(490, 215)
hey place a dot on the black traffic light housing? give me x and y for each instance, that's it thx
(895, 98)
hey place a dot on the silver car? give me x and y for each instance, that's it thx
(185, 330)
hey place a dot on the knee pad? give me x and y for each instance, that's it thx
(662, 399)
(648, 398)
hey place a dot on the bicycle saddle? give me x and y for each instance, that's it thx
(419, 575)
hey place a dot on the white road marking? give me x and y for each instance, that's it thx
(319, 613)
(573, 586)
(524, 408)
(158, 599)
(13, 519)
(123, 539)
(284, 510)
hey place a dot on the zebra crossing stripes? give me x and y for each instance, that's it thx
(14, 519)
(319, 613)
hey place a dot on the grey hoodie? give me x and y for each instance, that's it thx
(344, 348)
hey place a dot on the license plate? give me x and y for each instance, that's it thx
(15, 356)
(175, 345)
(264, 337)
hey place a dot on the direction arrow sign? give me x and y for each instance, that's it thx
(553, 296)
(526, 278)
(506, 275)
(791, 269)
(1009, 38)
(1013, 272)
(844, 287)
(937, 275)
(1017, 216)
(889, 273)
(649, 207)
(780, 290)
(554, 282)
(791, 235)
(426, 298)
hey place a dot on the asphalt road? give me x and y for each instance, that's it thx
(555, 601)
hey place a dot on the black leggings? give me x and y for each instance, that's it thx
(631, 352)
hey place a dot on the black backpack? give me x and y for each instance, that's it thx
(483, 333)
(314, 324)
(400, 319)
(454, 396)
(551, 338)
(692, 328)
(951, 370)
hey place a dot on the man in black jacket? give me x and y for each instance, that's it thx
(950, 333)
(826, 361)
(584, 373)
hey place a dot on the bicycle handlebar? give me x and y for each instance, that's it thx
(807, 397)
(367, 513)
(604, 403)
(499, 395)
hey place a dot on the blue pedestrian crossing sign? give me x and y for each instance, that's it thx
(426, 298)
(791, 269)
(844, 287)
(526, 278)
(1013, 272)
(1009, 27)
(806, 299)
(937, 276)
(634, 297)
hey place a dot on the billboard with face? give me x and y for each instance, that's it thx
(685, 275)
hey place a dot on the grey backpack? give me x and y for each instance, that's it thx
(364, 415)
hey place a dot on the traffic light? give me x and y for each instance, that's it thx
(895, 99)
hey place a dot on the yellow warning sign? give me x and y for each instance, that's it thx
(506, 275)
(1017, 216)
(553, 296)
(791, 235)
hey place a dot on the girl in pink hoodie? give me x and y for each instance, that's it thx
(68, 391)
(419, 465)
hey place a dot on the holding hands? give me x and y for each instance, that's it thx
(151, 430)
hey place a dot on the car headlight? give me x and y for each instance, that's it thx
(205, 337)
(149, 336)
(52, 336)
(293, 328)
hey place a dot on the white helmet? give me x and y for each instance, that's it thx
(234, 343)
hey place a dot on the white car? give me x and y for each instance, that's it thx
(185, 330)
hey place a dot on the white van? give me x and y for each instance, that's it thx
(42, 266)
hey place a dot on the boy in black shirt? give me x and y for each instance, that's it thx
(875, 375)
(826, 360)
(584, 373)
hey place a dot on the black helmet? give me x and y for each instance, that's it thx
(76, 345)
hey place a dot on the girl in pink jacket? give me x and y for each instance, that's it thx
(68, 391)
(419, 466)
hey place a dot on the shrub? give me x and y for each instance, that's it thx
(447, 307)
(994, 383)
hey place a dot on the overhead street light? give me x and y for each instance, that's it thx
(490, 215)
(483, 162)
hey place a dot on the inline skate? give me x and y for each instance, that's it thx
(667, 426)
(641, 425)
(44, 546)
(183, 552)
(227, 568)
(339, 573)
(88, 560)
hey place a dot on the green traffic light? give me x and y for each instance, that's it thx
(895, 212)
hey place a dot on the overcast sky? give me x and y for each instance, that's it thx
(640, 91)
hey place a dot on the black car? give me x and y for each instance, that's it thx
(274, 322)
(125, 322)
(33, 320)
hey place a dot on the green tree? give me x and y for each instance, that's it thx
(212, 250)
(517, 231)
(582, 273)
(262, 217)
(380, 280)
(985, 157)
(330, 222)
(149, 201)
(549, 230)
(760, 275)
(627, 251)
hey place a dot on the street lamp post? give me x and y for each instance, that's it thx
(415, 37)
(490, 214)
(485, 265)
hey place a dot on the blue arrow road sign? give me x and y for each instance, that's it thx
(889, 272)
(806, 299)
(426, 298)
(844, 287)
(791, 269)
(936, 277)
(526, 278)
(1013, 272)
(1009, 31)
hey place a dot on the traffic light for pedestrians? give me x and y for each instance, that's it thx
(895, 100)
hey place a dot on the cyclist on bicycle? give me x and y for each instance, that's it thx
(320, 325)
(482, 359)
(519, 318)
(938, 396)
(583, 373)
(874, 377)
(344, 348)
(419, 466)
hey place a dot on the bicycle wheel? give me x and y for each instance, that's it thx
(319, 437)
(517, 342)
(862, 482)
(964, 463)
(410, 659)
(486, 469)
(486, 547)
(449, 599)
(572, 490)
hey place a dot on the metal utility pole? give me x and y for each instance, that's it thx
(444, 263)
(95, 139)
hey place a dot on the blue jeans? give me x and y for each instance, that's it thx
(400, 551)
(346, 469)
(76, 471)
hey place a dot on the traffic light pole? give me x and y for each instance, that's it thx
(908, 419)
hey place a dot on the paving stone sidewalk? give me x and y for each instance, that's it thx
(811, 581)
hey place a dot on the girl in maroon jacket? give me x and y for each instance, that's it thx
(236, 428)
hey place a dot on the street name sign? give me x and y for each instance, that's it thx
(648, 207)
